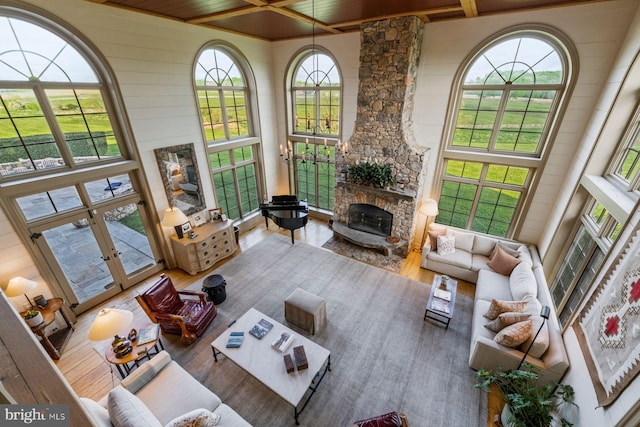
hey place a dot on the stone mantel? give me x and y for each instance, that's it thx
(390, 193)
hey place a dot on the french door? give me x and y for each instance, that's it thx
(96, 253)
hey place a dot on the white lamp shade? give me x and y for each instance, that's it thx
(19, 286)
(174, 216)
(429, 208)
(109, 323)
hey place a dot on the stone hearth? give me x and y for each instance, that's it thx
(389, 55)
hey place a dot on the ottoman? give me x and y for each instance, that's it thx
(306, 311)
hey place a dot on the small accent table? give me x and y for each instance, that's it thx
(137, 354)
(54, 343)
(441, 302)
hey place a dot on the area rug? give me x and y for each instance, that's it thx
(392, 262)
(384, 356)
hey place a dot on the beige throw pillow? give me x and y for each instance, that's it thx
(197, 418)
(446, 245)
(541, 343)
(506, 319)
(498, 307)
(433, 237)
(126, 410)
(514, 335)
(502, 262)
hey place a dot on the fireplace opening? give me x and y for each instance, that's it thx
(370, 219)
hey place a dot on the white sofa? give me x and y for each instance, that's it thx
(525, 283)
(162, 392)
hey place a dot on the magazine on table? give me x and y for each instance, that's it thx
(283, 342)
(148, 334)
(442, 294)
(440, 305)
(261, 328)
(235, 339)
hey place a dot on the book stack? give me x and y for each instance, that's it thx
(235, 339)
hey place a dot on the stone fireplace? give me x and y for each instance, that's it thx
(383, 131)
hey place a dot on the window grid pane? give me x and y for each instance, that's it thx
(630, 164)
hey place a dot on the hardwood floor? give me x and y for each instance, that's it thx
(90, 375)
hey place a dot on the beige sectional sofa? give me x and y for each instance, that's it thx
(160, 393)
(526, 282)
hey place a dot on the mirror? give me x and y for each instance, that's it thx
(181, 177)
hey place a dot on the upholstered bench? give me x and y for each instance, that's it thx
(306, 311)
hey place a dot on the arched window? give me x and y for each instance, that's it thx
(222, 96)
(507, 99)
(316, 93)
(223, 90)
(53, 113)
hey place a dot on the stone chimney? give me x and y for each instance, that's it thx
(389, 57)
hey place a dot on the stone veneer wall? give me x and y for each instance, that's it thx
(389, 55)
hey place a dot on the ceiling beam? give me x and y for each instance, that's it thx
(470, 8)
(304, 18)
(245, 10)
(424, 13)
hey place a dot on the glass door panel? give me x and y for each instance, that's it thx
(80, 259)
(126, 231)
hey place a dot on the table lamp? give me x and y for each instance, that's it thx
(108, 323)
(18, 286)
(173, 217)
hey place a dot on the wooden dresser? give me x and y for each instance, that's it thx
(214, 242)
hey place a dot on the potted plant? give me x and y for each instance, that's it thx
(443, 281)
(527, 403)
(33, 317)
(370, 173)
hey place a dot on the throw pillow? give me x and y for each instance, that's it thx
(197, 418)
(498, 307)
(446, 245)
(514, 335)
(541, 344)
(126, 410)
(513, 252)
(433, 237)
(506, 319)
(522, 282)
(502, 262)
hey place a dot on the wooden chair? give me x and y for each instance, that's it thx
(185, 313)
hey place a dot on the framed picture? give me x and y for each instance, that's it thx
(199, 218)
(215, 214)
(183, 229)
(223, 217)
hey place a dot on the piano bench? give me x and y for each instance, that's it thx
(306, 311)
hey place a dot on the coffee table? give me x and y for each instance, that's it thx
(265, 364)
(438, 307)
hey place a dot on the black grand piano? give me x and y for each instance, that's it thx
(287, 212)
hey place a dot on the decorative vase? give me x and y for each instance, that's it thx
(34, 321)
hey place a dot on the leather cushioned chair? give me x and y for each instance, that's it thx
(392, 419)
(165, 305)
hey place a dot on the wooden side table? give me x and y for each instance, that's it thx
(54, 343)
(137, 355)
